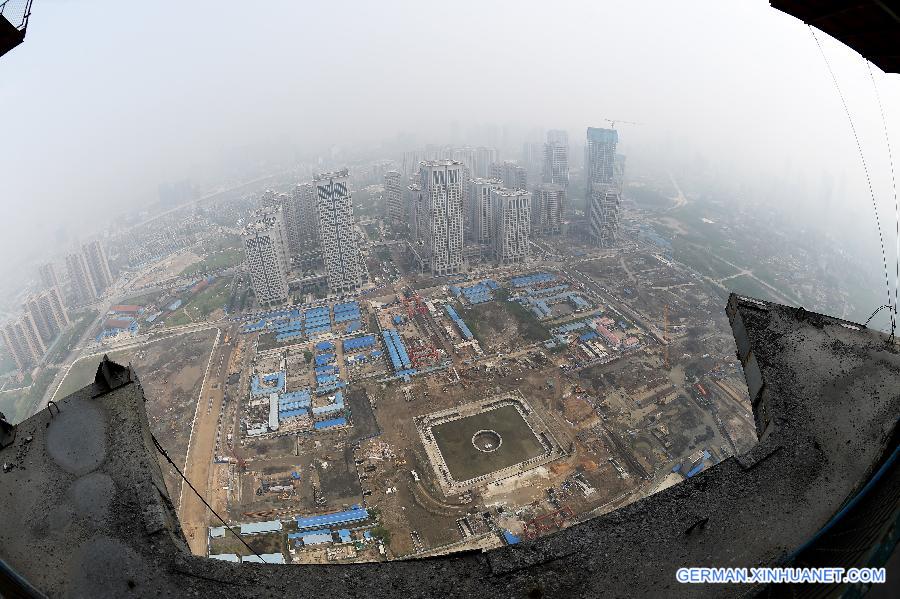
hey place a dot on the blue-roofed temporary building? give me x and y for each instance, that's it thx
(294, 396)
(344, 535)
(325, 389)
(225, 557)
(510, 538)
(695, 470)
(334, 422)
(358, 343)
(460, 324)
(324, 359)
(478, 293)
(532, 279)
(588, 336)
(285, 414)
(289, 336)
(324, 346)
(325, 379)
(266, 558)
(573, 326)
(334, 519)
(578, 302)
(396, 350)
(271, 383)
(254, 528)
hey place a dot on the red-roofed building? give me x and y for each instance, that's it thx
(117, 323)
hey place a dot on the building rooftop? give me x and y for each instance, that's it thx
(332, 175)
(440, 162)
(93, 517)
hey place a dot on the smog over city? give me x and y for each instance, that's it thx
(386, 281)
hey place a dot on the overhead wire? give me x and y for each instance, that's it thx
(865, 166)
(163, 452)
(887, 141)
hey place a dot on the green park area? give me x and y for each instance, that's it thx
(201, 305)
(215, 261)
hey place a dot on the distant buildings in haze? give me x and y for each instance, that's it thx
(603, 186)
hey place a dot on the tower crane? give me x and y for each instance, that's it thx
(612, 122)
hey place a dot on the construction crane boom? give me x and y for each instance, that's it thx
(612, 122)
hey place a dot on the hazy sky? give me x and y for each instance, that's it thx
(105, 100)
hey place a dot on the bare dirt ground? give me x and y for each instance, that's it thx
(199, 455)
(171, 372)
(167, 269)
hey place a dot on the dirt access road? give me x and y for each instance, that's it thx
(193, 513)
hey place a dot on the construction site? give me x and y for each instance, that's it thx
(469, 414)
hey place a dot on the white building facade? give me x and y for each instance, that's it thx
(393, 196)
(548, 201)
(512, 225)
(441, 183)
(481, 212)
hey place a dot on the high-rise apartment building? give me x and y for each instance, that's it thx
(412, 202)
(307, 215)
(23, 341)
(441, 212)
(484, 158)
(48, 313)
(556, 158)
(409, 164)
(263, 239)
(469, 159)
(266, 199)
(481, 212)
(533, 160)
(512, 225)
(548, 202)
(603, 223)
(98, 265)
(83, 289)
(290, 215)
(393, 197)
(48, 276)
(602, 187)
(512, 175)
(340, 247)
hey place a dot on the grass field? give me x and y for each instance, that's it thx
(16, 405)
(215, 261)
(203, 304)
(454, 439)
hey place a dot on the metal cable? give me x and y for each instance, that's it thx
(162, 451)
(887, 140)
(864, 165)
